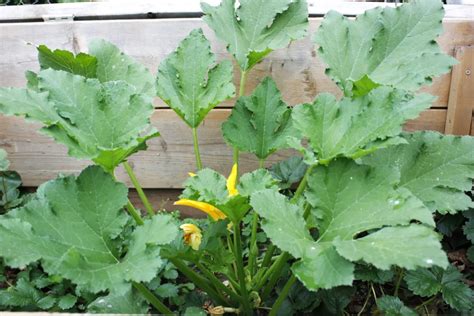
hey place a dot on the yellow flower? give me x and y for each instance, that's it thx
(207, 208)
(231, 181)
(192, 235)
(191, 174)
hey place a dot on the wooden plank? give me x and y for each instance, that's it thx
(164, 165)
(150, 8)
(297, 69)
(461, 95)
(153, 8)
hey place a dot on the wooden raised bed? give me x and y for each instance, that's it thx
(297, 70)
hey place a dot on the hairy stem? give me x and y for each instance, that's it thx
(139, 189)
(152, 299)
(196, 149)
(239, 260)
(283, 294)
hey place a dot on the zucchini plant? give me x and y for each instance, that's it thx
(356, 204)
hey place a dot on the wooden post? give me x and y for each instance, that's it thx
(461, 93)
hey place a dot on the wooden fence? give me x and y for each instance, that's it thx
(297, 70)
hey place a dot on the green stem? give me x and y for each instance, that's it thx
(240, 270)
(152, 299)
(217, 283)
(196, 149)
(274, 274)
(198, 281)
(399, 281)
(283, 294)
(427, 302)
(139, 189)
(243, 79)
(134, 213)
(253, 250)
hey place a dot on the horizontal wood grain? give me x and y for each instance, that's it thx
(153, 9)
(297, 69)
(166, 162)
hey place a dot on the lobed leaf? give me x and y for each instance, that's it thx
(355, 127)
(253, 28)
(70, 226)
(435, 168)
(429, 282)
(393, 306)
(104, 122)
(259, 123)
(190, 81)
(384, 46)
(360, 216)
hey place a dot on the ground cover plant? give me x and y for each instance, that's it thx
(363, 218)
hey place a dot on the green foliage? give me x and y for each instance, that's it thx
(70, 226)
(350, 200)
(105, 119)
(435, 168)
(393, 306)
(384, 46)
(259, 123)
(252, 29)
(10, 181)
(190, 81)
(355, 127)
(83, 64)
(289, 172)
(129, 302)
(429, 282)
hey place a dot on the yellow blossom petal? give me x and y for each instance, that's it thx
(231, 181)
(207, 208)
(191, 174)
(192, 235)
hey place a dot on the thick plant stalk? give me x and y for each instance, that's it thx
(139, 189)
(283, 294)
(198, 281)
(134, 213)
(197, 153)
(247, 310)
(152, 299)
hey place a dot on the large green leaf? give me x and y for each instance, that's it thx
(429, 282)
(190, 81)
(105, 62)
(253, 28)
(70, 226)
(356, 127)
(104, 122)
(81, 64)
(389, 46)
(360, 216)
(436, 168)
(114, 65)
(259, 123)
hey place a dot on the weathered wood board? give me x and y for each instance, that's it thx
(166, 162)
(297, 70)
